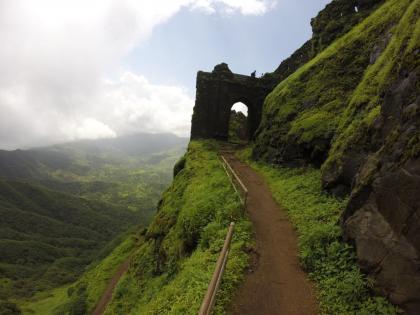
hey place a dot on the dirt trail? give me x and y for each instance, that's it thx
(276, 283)
(107, 295)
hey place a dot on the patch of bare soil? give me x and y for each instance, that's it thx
(275, 283)
(107, 295)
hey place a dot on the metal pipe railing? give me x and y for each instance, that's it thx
(210, 297)
(233, 176)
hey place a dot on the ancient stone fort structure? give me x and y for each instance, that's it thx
(217, 92)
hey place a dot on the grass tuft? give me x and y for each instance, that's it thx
(172, 269)
(330, 263)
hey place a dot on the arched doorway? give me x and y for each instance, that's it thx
(238, 124)
(217, 92)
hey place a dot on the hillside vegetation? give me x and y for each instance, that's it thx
(308, 112)
(170, 271)
(338, 144)
(352, 111)
(47, 238)
(130, 171)
(342, 287)
(65, 209)
(81, 297)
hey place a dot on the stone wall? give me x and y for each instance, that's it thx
(217, 92)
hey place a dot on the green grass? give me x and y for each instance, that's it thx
(66, 208)
(45, 302)
(98, 277)
(47, 238)
(135, 183)
(93, 282)
(172, 269)
(366, 101)
(330, 263)
(311, 110)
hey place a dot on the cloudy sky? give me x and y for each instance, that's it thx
(75, 69)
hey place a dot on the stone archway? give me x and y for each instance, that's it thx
(217, 92)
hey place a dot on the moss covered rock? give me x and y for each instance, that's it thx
(353, 110)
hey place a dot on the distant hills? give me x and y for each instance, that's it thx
(48, 237)
(63, 206)
(79, 157)
(132, 145)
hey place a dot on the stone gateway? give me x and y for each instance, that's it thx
(217, 92)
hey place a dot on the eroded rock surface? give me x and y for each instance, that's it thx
(383, 214)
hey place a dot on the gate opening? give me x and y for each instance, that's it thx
(239, 124)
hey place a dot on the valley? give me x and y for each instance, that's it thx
(65, 208)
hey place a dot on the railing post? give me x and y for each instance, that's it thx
(210, 297)
(233, 176)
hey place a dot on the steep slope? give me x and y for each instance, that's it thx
(336, 19)
(48, 238)
(81, 297)
(62, 208)
(170, 271)
(353, 111)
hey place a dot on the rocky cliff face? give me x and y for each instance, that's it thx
(353, 110)
(335, 20)
(383, 214)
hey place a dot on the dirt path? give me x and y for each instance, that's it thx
(107, 295)
(276, 283)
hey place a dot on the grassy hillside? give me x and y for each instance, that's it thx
(335, 20)
(129, 171)
(306, 114)
(135, 185)
(47, 238)
(81, 296)
(62, 208)
(352, 113)
(170, 271)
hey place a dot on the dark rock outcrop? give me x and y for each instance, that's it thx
(383, 214)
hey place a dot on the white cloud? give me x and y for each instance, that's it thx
(58, 60)
(245, 7)
(133, 103)
(89, 128)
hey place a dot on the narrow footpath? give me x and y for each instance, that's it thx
(275, 283)
(107, 295)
